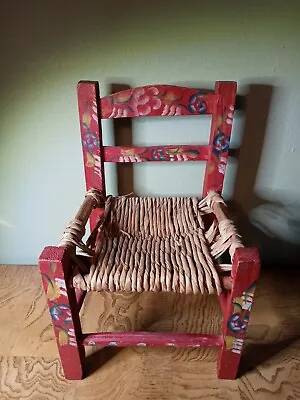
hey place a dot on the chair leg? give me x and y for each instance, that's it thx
(236, 307)
(55, 269)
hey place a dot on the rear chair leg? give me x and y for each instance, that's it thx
(55, 266)
(236, 310)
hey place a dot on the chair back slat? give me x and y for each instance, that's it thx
(156, 100)
(123, 154)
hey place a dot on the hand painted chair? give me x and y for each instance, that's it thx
(152, 244)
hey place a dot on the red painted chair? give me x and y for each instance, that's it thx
(133, 237)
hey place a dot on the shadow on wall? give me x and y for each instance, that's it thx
(272, 226)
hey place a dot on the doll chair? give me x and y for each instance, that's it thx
(152, 244)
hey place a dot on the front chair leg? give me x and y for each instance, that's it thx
(236, 310)
(54, 264)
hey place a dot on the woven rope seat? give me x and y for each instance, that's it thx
(157, 244)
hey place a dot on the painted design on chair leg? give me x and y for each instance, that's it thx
(55, 287)
(234, 344)
(60, 313)
(238, 321)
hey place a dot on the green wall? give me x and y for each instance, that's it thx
(46, 47)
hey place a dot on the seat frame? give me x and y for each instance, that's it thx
(56, 262)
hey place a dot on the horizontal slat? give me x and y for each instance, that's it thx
(152, 339)
(157, 100)
(155, 153)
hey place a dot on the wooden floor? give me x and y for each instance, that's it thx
(30, 368)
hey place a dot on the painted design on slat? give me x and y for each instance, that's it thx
(60, 312)
(175, 154)
(160, 100)
(239, 319)
(196, 104)
(155, 153)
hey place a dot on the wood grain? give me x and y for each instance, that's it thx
(24, 314)
(30, 368)
(32, 378)
(278, 377)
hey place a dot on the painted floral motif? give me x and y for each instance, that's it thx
(148, 100)
(171, 107)
(197, 104)
(89, 114)
(229, 118)
(55, 286)
(220, 143)
(90, 139)
(234, 344)
(139, 102)
(226, 118)
(176, 154)
(60, 313)
(239, 319)
(129, 155)
(220, 148)
(133, 158)
(157, 154)
(66, 336)
(222, 165)
(241, 310)
(90, 142)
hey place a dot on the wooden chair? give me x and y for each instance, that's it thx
(158, 244)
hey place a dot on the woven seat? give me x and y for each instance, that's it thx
(159, 244)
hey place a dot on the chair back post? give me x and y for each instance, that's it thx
(91, 140)
(221, 126)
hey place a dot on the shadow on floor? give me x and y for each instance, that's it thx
(257, 354)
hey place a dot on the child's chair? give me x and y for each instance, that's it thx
(152, 244)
